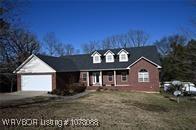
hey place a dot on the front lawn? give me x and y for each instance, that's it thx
(114, 110)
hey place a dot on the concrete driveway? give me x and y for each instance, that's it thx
(5, 97)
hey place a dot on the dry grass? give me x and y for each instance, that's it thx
(114, 110)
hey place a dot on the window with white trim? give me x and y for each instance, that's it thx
(123, 57)
(96, 59)
(143, 76)
(109, 58)
(84, 77)
(123, 76)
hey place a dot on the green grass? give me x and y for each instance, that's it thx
(114, 110)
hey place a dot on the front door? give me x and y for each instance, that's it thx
(96, 77)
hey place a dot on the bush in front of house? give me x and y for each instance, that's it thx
(70, 89)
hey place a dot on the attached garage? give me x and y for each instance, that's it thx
(36, 82)
(35, 75)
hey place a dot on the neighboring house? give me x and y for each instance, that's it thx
(135, 68)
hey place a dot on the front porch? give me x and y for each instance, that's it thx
(108, 78)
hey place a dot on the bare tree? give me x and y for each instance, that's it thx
(69, 49)
(56, 48)
(134, 38)
(16, 46)
(90, 47)
(109, 43)
(51, 43)
(115, 41)
(137, 38)
(165, 44)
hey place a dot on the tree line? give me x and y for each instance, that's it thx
(178, 58)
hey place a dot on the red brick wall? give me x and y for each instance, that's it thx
(132, 79)
(119, 75)
(53, 81)
(18, 82)
(105, 78)
(152, 85)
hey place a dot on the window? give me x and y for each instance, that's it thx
(123, 57)
(123, 76)
(84, 77)
(110, 76)
(143, 76)
(97, 59)
(109, 58)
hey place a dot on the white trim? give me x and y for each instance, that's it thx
(106, 58)
(98, 60)
(28, 59)
(114, 77)
(142, 76)
(83, 77)
(95, 78)
(123, 60)
(158, 66)
(106, 69)
(122, 50)
(88, 78)
(95, 53)
(45, 63)
(108, 52)
(100, 77)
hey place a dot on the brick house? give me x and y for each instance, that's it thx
(135, 68)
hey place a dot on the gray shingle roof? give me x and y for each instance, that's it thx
(85, 61)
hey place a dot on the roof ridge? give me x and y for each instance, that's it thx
(125, 48)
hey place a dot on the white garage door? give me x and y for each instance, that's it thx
(36, 82)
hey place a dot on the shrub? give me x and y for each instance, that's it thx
(70, 89)
(99, 89)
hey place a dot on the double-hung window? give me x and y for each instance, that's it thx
(143, 76)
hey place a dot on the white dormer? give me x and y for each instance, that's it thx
(109, 56)
(96, 57)
(123, 55)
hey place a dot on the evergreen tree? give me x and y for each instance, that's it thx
(191, 60)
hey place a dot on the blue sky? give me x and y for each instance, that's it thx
(78, 22)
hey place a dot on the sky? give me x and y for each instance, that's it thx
(80, 21)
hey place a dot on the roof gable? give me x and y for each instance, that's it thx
(34, 65)
(122, 50)
(158, 66)
(109, 52)
(95, 52)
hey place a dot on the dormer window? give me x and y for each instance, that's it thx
(109, 56)
(96, 57)
(123, 55)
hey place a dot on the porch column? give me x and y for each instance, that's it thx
(114, 77)
(101, 78)
(87, 78)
